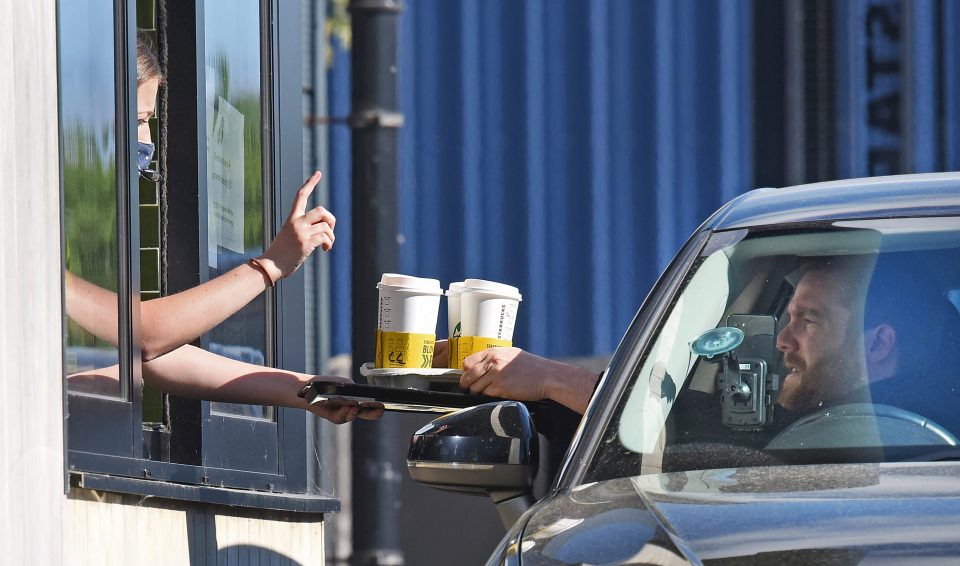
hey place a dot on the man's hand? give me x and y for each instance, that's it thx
(512, 373)
(441, 349)
(507, 372)
(303, 232)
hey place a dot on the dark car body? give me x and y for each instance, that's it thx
(606, 507)
(835, 514)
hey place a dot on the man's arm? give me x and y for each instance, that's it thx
(515, 374)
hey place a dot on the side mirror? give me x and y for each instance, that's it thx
(489, 449)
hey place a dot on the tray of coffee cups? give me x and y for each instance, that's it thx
(481, 314)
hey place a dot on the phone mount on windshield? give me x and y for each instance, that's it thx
(746, 393)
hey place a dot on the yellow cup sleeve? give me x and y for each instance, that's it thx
(453, 352)
(404, 350)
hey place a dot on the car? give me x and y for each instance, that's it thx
(788, 391)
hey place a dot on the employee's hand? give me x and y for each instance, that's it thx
(303, 232)
(339, 410)
(507, 372)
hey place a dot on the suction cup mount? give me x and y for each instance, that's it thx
(716, 344)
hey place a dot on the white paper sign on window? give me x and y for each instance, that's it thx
(225, 178)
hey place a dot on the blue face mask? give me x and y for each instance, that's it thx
(144, 155)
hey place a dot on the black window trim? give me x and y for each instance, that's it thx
(300, 504)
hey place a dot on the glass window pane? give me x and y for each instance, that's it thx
(235, 172)
(88, 130)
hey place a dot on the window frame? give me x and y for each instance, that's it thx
(626, 360)
(202, 445)
(107, 424)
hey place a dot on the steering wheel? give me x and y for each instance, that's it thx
(862, 425)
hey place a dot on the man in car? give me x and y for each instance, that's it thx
(890, 343)
(823, 341)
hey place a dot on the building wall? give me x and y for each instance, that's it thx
(106, 529)
(31, 399)
(569, 147)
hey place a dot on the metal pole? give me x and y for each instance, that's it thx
(377, 449)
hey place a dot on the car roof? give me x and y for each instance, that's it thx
(929, 194)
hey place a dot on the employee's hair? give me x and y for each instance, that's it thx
(147, 65)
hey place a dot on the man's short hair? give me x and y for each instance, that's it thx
(851, 273)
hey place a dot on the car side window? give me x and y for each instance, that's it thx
(666, 370)
(847, 351)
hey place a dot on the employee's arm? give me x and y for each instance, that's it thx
(169, 322)
(166, 322)
(198, 374)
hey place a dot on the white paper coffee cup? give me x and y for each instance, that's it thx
(383, 278)
(488, 309)
(406, 321)
(408, 304)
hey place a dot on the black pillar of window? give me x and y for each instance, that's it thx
(375, 122)
(182, 108)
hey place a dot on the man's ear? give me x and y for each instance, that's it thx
(879, 343)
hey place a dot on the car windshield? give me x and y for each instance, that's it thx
(829, 343)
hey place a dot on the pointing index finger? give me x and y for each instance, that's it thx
(303, 195)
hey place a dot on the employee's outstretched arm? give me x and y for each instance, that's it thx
(170, 322)
(198, 374)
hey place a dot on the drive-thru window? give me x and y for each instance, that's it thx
(227, 137)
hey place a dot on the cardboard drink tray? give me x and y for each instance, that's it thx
(424, 379)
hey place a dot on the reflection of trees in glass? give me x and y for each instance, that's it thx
(90, 212)
(248, 104)
(220, 63)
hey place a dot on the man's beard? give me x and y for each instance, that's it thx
(818, 383)
(797, 394)
(805, 390)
